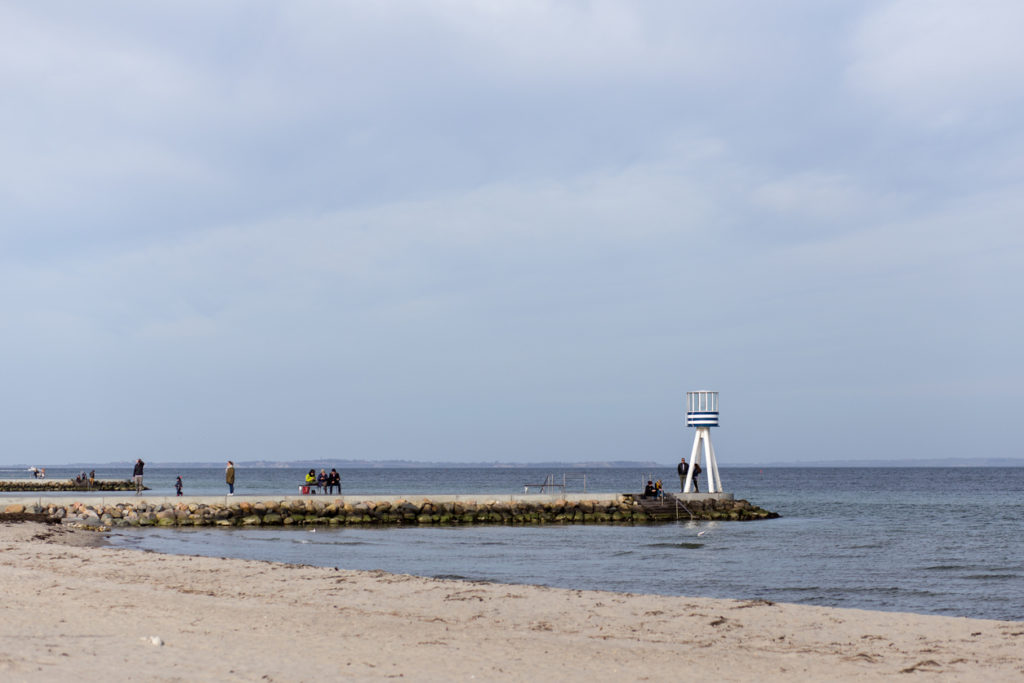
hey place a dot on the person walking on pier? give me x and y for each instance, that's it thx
(178, 485)
(229, 477)
(137, 475)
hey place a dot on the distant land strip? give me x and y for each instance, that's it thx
(609, 464)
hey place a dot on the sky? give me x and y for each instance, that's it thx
(510, 231)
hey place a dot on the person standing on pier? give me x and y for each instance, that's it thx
(178, 485)
(137, 475)
(229, 477)
(681, 469)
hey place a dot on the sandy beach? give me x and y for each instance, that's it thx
(74, 610)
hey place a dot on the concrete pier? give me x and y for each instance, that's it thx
(419, 498)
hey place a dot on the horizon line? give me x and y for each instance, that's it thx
(603, 464)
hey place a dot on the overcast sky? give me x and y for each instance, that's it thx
(510, 231)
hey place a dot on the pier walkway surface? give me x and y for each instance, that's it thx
(115, 497)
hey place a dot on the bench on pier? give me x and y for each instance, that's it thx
(313, 489)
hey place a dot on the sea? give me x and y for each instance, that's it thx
(945, 541)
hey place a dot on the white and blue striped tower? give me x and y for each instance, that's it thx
(702, 413)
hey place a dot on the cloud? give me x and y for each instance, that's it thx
(942, 64)
(546, 220)
(812, 196)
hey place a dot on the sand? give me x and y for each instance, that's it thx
(75, 611)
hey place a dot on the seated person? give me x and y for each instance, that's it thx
(649, 491)
(311, 477)
(659, 492)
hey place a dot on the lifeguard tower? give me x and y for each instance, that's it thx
(702, 413)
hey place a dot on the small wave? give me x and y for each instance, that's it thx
(328, 542)
(674, 545)
(126, 540)
(453, 577)
(886, 591)
(992, 577)
(945, 568)
(481, 543)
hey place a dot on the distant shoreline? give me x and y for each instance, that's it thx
(618, 464)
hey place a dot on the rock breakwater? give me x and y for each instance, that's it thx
(48, 485)
(305, 511)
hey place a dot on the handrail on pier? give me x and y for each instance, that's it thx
(551, 483)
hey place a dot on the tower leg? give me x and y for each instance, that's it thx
(705, 435)
(693, 457)
(702, 443)
(713, 470)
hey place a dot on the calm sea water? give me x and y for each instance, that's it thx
(927, 540)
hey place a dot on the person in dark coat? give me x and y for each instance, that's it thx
(137, 475)
(178, 484)
(333, 479)
(681, 469)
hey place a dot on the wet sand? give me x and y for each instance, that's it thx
(75, 610)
